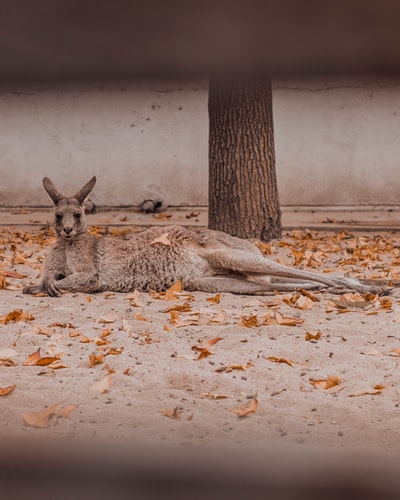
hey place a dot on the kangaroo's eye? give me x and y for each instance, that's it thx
(77, 215)
(59, 217)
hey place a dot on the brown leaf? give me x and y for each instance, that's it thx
(173, 290)
(366, 392)
(114, 351)
(40, 419)
(245, 410)
(311, 336)
(47, 360)
(385, 302)
(175, 414)
(280, 360)
(284, 321)
(249, 321)
(7, 362)
(185, 307)
(214, 340)
(162, 216)
(203, 352)
(4, 391)
(308, 294)
(15, 316)
(176, 322)
(105, 333)
(140, 317)
(33, 358)
(330, 381)
(95, 359)
(215, 300)
(61, 325)
(211, 395)
(229, 368)
(3, 283)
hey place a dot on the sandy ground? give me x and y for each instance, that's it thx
(199, 369)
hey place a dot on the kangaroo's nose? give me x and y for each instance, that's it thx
(67, 230)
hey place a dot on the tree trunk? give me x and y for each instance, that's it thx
(243, 194)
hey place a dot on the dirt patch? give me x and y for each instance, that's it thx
(200, 369)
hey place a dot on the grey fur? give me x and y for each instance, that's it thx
(210, 261)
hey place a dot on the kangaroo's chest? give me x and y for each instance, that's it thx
(75, 258)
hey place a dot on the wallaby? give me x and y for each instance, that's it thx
(208, 261)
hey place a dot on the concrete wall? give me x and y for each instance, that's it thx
(337, 143)
(135, 140)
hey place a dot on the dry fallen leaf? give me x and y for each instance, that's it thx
(139, 317)
(249, 321)
(245, 410)
(280, 360)
(229, 368)
(35, 359)
(313, 336)
(203, 352)
(214, 340)
(4, 391)
(95, 359)
(7, 362)
(162, 216)
(175, 414)
(330, 381)
(173, 291)
(215, 300)
(284, 321)
(185, 307)
(61, 325)
(176, 322)
(3, 283)
(15, 316)
(368, 392)
(211, 395)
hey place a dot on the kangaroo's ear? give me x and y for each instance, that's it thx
(52, 191)
(83, 193)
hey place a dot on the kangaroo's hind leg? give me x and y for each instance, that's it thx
(253, 264)
(239, 285)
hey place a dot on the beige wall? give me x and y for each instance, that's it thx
(337, 143)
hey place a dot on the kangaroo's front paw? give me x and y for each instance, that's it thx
(51, 288)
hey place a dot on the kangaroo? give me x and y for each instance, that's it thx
(208, 261)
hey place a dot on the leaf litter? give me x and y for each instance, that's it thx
(370, 256)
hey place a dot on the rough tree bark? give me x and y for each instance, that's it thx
(243, 194)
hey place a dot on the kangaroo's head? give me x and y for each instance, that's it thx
(69, 211)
